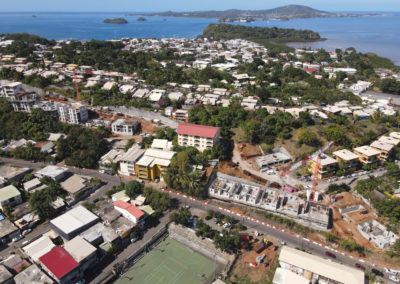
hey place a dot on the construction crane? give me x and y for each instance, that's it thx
(316, 171)
(304, 161)
(78, 94)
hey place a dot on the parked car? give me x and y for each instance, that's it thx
(24, 233)
(359, 266)
(394, 278)
(17, 238)
(328, 253)
(391, 271)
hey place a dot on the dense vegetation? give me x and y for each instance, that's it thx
(82, 147)
(225, 31)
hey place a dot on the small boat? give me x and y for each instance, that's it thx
(34, 16)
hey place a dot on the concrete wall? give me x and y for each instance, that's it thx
(206, 247)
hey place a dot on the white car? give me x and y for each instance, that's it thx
(390, 271)
(394, 278)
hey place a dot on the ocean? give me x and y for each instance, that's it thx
(380, 34)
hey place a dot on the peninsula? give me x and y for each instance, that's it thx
(118, 21)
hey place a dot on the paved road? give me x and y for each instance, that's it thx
(291, 239)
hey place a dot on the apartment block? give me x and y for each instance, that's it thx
(153, 164)
(367, 155)
(328, 166)
(18, 97)
(128, 160)
(125, 127)
(199, 136)
(73, 113)
(347, 158)
(384, 149)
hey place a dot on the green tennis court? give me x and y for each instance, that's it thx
(170, 263)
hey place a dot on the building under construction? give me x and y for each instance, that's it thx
(273, 200)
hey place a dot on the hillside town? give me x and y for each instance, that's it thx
(267, 164)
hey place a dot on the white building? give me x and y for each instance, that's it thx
(125, 127)
(19, 99)
(128, 160)
(73, 113)
(316, 269)
(199, 136)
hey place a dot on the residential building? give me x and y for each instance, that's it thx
(9, 197)
(199, 136)
(316, 269)
(7, 230)
(389, 140)
(162, 144)
(32, 275)
(181, 115)
(128, 160)
(18, 97)
(276, 201)
(60, 265)
(54, 172)
(6, 276)
(277, 157)
(367, 155)
(125, 127)
(73, 222)
(129, 211)
(250, 103)
(10, 174)
(328, 166)
(347, 159)
(75, 184)
(110, 158)
(377, 233)
(384, 148)
(37, 248)
(82, 251)
(153, 164)
(284, 276)
(395, 135)
(73, 113)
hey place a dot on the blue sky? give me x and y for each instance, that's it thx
(190, 5)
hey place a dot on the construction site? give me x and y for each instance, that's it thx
(274, 200)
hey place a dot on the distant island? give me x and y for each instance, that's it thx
(280, 13)
(118, 21)
(141, 19)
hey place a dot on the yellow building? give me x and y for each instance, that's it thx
(328, 166)
(348, 158)
(153, 164)
(384, 149)
(367, 154)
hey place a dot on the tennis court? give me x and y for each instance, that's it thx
(170, 263)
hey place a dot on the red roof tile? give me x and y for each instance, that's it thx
(197, 130)
(58, 261)
(132, 209)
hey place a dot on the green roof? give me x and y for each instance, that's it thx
(147, 209)
(8, 192)
(120, 195)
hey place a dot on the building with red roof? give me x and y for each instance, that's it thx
(60, 265)
(199, 136)
(129, 211)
